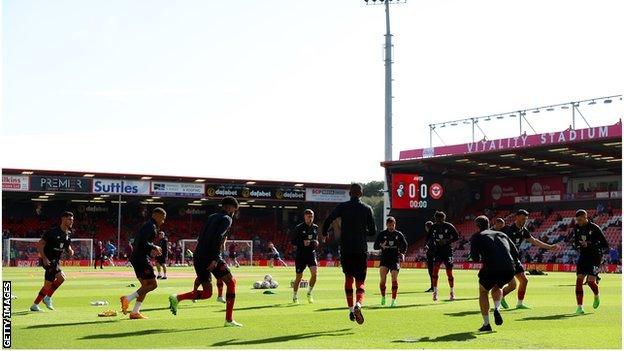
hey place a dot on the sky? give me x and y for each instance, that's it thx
(288, 90)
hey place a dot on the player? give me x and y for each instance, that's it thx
(591, 243)
(499, 257)
(233, 255)
(110, 252)
(50, 247)
(275, 255)
(356, 224)
(98, 254)
(207, 260)
(442, 235)
(141, 259)
(430, 249)
(499, 224)
(161, 261)
(305, 239)
(518, 232)
(393, 246)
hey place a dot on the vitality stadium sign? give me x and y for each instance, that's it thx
(519, 142)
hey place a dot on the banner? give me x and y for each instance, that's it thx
(62, 184)
(326, 195)
(253, 193)
(121, 187)
(15, 183)
(178, 189)
(519, 142)
(413, 191)
(510, 191)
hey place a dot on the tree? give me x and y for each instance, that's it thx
(373, 196)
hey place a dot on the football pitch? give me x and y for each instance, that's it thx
(273, 321)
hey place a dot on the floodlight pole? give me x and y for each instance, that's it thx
(118, 225)
(388, 101)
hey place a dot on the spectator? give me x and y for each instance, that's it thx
(614, 256)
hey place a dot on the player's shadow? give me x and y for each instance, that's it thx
(281, 305)
(142, 332)
(444, 338)
(187, 307)
(39, 326)
(283, 338)
(462, 313)
(551, 317)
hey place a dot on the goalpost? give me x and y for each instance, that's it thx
(244, 250)
(23, 251)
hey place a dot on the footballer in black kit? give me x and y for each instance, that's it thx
(50, 247)
(207, 261)
(441, 236)
(518, 233)
(393, 246)
(141, 259)
(305, 239)
(430, 254)
(161, 261)
(591, 243)
(499, 258)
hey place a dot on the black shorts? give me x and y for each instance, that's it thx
(444, 256)
(233, 255)
(489, 279)
(52, 270)
(588, 265)
(143, 268)
(390, 263)
(301, 262)
(203, 274)
(354, 264)
(162, 259)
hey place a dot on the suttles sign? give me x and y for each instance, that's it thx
(121, 187)
(15, 183)
(63, 184)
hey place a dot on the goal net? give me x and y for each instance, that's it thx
(242, 250)
(22, 252)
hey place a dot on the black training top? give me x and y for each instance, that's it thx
(517, 235)
(495, 250)
(305, 232)
(394, 243)
(442, 235)
(589, 239)
(56, 240)
(211, 239)
(144, 240)
(356, 224)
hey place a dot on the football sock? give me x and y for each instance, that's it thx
(359, 292)
(54, 286)
(382, 289)
(137, 307)
(220, 287)
(593, 286)
(40, 296)
(451, 279)
(349, 291)
(486, 319)
(579, 291)
(497, 304)
(521, 292)
(230, 297)
(132, 296)
(395, 289)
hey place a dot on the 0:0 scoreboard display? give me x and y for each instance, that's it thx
(413, 191)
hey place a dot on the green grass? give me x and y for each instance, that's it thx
(271, 321)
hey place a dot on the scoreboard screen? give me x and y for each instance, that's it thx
(414, 191)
